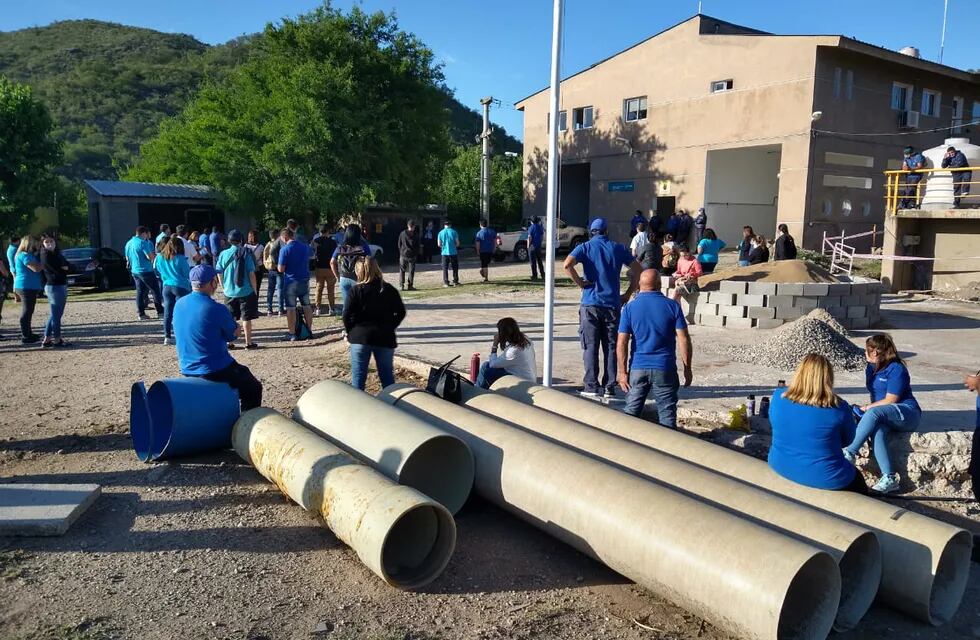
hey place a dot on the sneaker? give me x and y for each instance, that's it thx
(411, 287)
(849, 456)
(592, 395)
(167, 342)
(47, 344)
(30, 340)
(456, 284)
(231, 346)
(887, 484)
(142, 317)
(61, 344)
(445, 286)
(251, 345)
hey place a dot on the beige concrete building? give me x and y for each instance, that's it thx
(758, 128)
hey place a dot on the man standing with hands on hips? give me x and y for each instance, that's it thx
(602, 261)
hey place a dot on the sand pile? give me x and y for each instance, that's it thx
(789, 344)
(782, 271)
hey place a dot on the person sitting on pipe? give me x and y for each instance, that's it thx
(810, 424)
(517, 359)
(203, 328)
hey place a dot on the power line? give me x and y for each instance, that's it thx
(899, 133)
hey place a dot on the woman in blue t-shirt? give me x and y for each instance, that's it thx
(708, 249)
(810, 424)
(892, 407)
(27, 284)
(174, 269)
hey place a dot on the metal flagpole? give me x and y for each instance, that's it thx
(942, 41)
(554, 164)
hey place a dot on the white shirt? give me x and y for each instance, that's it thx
(517, 362)
(190, 251)
(640, 240)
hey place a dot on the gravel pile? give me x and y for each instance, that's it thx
(823, 315)
(792, 342)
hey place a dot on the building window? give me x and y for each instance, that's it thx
(845, 207)
(957, 121)
(562, 121)
(901, 96)
(975, 113)
(582, 118)
(635, 109)
(843, 84)
(838, 82)
(719, 86)
(930, 102)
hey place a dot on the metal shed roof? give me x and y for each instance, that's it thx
(121, 189)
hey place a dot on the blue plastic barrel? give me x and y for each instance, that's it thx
(190, 416)
(139, 421)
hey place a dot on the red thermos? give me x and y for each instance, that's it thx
(474, 367)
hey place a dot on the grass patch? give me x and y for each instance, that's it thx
(12, 565)
(502, 285)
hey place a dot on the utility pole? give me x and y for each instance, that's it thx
(942, 40)
(485, 161)
(554, 165)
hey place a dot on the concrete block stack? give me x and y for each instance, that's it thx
(767, 305)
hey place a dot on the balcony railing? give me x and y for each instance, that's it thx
(935, 189)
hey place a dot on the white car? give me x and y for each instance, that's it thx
(515, 242)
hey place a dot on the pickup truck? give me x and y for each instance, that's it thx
(515, 242)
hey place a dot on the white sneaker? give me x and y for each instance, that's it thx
(849, 456)
(167, 342)
(887, 484)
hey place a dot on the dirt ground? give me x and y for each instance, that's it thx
(206, 548)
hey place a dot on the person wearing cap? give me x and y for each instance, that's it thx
(535, 238)
(955, 159)
(203, 328)
(448, 241)
(602, 261)
(236, 275)
(294, 265)
(911, 162)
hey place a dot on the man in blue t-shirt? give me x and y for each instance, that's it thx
(139, 253)
(602, 261)
(216, 242)
(635, 222)
(448, 241)
(535, 238)
(657, 325)
(294, 265)
(486, 245)
(204, 246)
(203, 328)
(236, 275)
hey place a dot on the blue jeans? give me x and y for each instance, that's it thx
(663, 385)
(147, 283)
(877, 423)
(346, 286)
(275, 282)
(57, 298)
(598, 328)
(488, 376)
(360, 357)
(170, 296)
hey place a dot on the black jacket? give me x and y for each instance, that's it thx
(408, 244)
(372, 312)
(759, 255)
(55, 267)
(785, 247)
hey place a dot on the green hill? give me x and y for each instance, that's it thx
(108, 86)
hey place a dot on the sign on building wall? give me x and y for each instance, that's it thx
(622, 186)
(663, 187)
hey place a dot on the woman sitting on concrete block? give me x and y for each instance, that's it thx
(810, 423)
(892, 407)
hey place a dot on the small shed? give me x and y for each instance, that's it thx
(116, 208)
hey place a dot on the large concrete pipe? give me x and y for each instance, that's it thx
(404, 448)
(403, 536)
(744, 578)
(855, 548)
(925, 563)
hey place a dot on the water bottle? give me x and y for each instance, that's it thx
(751, 405)
(764, 407)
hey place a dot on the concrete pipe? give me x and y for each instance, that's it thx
(744, 578)
(404, 448)
(855, 548)
(404, 537)
(925, 563)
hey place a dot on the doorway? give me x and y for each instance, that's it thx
(573, 194)
(742, 189)
(665, 207)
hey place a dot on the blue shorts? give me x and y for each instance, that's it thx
(297, 294)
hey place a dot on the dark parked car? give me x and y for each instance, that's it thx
(102, 268)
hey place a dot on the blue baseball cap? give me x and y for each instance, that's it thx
(203, 274)
(599, 224)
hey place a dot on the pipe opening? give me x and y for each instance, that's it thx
(811, 601)
(949, 582)
(860, 572)
(139, 422)
(418, 546)
(441, 468)
(161, 407)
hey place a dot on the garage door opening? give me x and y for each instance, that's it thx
(742, 188)
(573, 200)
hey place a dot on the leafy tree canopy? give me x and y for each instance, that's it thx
(459, 188)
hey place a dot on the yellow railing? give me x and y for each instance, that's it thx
(952, 186)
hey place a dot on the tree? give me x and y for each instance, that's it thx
(331, 111)
(27, 154)
(459, 188)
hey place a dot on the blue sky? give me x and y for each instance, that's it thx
(502, 47)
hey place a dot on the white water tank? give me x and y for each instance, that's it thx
(939, 186)
(910, 51)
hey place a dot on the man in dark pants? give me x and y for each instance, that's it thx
(955, 159)
(911, 162)
(139, 258)
(203, 328)
(408, 255)
(602, 261)
(485, 244)
(657, 326)
(535, 238)
(448, 241)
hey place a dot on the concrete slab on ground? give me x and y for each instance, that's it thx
(43, 509)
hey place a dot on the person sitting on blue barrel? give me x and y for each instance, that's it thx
(203, 328)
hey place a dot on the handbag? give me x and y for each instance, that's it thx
(445, 383)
